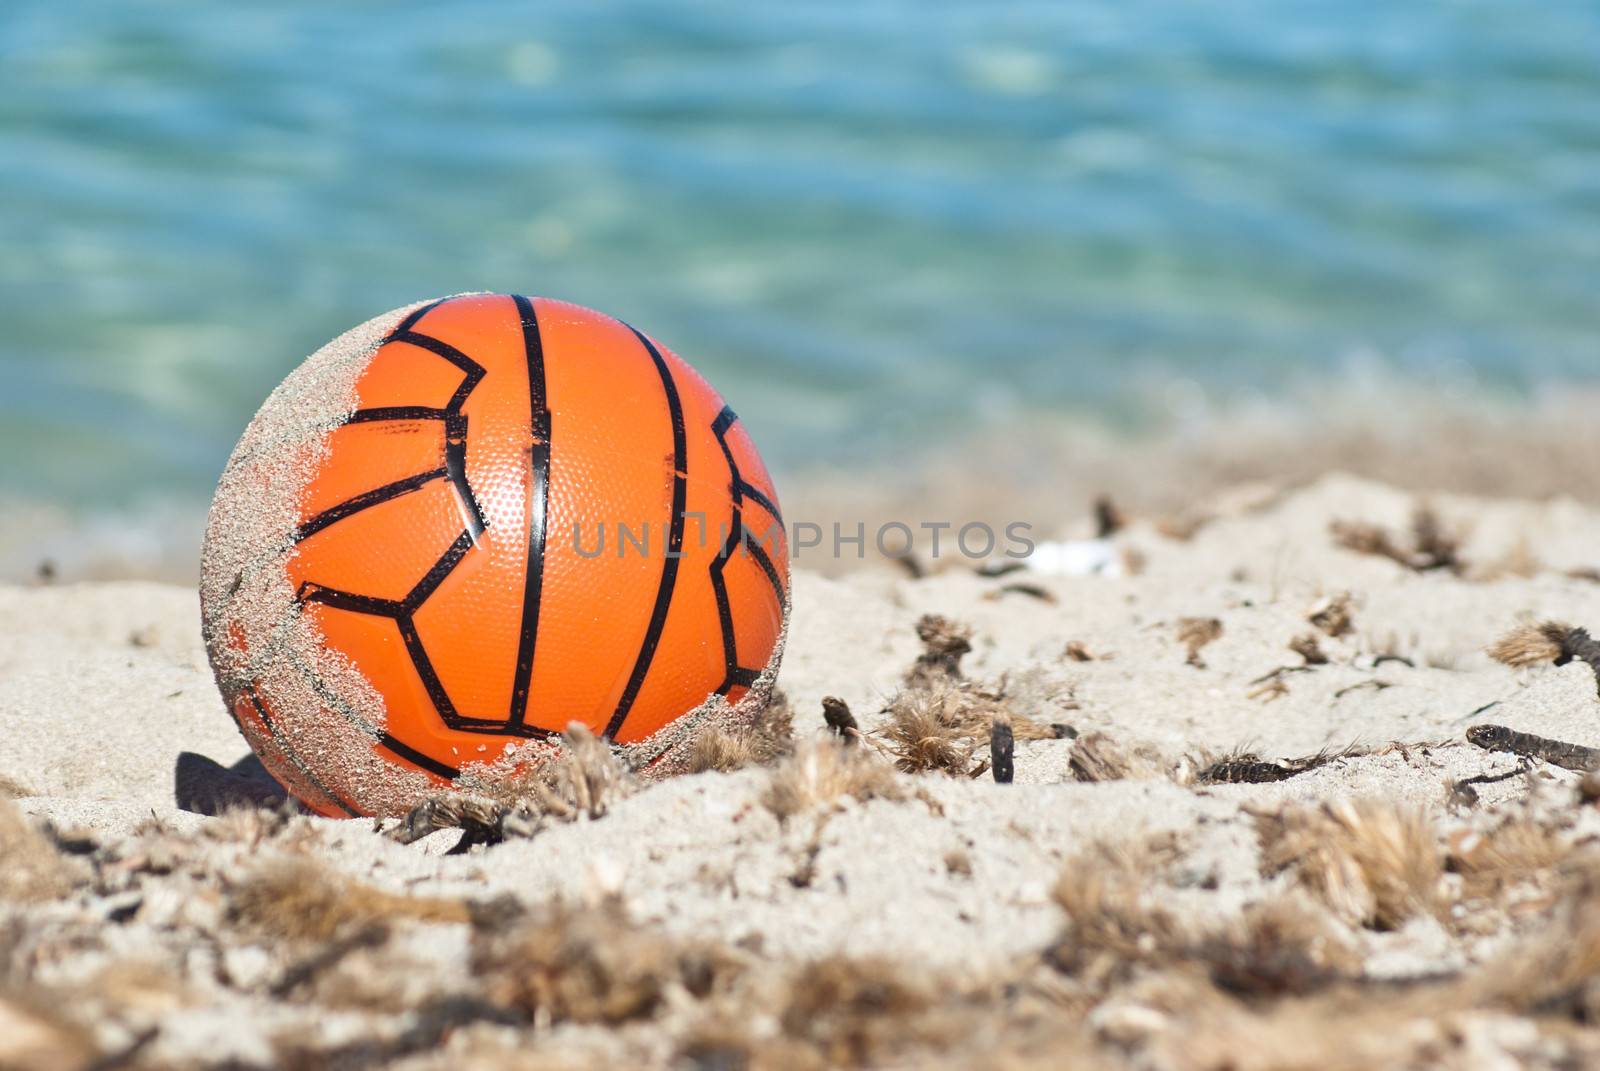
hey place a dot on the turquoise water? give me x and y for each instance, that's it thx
(870, 224)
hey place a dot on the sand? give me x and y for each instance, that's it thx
(136, 935)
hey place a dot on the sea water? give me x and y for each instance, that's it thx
(870, 224)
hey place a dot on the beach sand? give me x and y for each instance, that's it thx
(1112, 907)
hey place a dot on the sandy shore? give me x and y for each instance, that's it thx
(1120, 904)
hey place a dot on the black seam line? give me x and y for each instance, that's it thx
(402, 614)
(417, 758)
(738, 533)
(396, 412)
(417, 314)
(755, 495)
(261, 711)
(434, 577)
(669, 565)
(539, 426)
(455, 463)
(473, 369)
(719, 428)
(763, 560)
(334, 514)
(740, 488)
(310, 591)
(443, 704)
(719, 589)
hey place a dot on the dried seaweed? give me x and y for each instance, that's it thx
(579, 780)
(1334, 614)
(1556, 752)
(1372, 861)
(1194, 633)
(762, 743)
(944, 644)
(934, 729)
(1097, 757)
(591, 965)
(1548, 641)
(1245, 767)
(301, 900)
(1428, 547)
(1309, 649)
(820, 772)
(1032, 591)
(836, 712)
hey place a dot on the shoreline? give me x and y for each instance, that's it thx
(1043, 473)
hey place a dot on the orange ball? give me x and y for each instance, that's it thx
(466, 524)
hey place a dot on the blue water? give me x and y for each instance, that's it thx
(872, 225)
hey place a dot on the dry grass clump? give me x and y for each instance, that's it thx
(1111, 927)
(1183, 527)
(720, 750)
(30, 867)
(519, 795)
(1427, 547)
(1519, 851)
(298, 899)
(939, 726)
(1555, 971)
(581, 777)
(1531, 644)
(1281, 946)
(1247, 768)
(944, 644)
(1194, 633)
(1375, 863)
(1334, 614)
(1309, 649)
(1097, 757)
(820, 772)
(34, 1037)
(1548, 641)
(767, 739)
(849, 1012)
(592, 965)
(856, 1012)
(1116, 925)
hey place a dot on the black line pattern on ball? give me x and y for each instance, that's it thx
(403, 611)
(454, 468)
(669, 564)
(738, 534)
